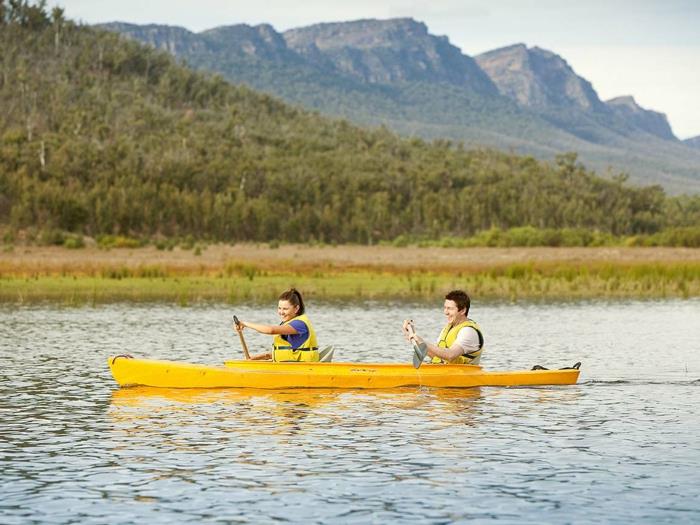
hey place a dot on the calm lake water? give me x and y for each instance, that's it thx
(622, 446)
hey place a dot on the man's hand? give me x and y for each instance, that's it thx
(409, 330)
(405, 327)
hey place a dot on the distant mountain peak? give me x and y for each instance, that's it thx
(624, 100)
(647, 120)
(538, 78)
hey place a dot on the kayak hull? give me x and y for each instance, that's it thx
(128, 371)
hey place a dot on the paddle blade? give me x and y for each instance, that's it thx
(420, 350)
(326, 355)
(417, 361)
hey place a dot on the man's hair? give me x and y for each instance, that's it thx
(294, 297)
(461, 299)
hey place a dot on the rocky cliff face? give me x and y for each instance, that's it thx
(538, 79)
(652, 122)
(175, 40)
(387, 52)
(261, 41)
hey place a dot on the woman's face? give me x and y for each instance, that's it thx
(286, 310)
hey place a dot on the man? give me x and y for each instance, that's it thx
(461, 341)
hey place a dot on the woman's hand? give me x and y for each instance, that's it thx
(239, 326)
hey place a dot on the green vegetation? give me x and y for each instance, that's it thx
(108, 139)
(244, 282)
(688, 237)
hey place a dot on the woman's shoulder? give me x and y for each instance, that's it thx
(299, 325)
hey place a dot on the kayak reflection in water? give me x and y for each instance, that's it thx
(294, 338)
(461, 340)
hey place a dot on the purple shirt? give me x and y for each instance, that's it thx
(296, 340)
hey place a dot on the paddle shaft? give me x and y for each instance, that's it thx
(411, 331)
(419, 350)
(240, 334)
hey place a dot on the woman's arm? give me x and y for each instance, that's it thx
(283, 329)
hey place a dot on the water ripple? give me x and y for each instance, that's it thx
(620, 447)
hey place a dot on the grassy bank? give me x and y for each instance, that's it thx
(259, 274)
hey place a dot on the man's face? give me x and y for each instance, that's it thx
(450, 310)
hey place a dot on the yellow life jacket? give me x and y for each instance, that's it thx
(449, 335)
(307, 351)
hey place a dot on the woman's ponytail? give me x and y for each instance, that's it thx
(294, 297)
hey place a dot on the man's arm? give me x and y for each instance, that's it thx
(448, 354)
(466, 341)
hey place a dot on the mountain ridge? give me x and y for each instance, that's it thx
(390, 51)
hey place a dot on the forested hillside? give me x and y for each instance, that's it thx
(395, 73)
(103, 136)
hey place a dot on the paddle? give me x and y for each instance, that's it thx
(326, 355)
(240, 334)
(420, 350)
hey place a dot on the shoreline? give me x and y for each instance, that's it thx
(235, 274)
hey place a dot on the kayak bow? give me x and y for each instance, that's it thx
(128, 371)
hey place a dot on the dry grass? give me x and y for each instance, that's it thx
(248, 272)
(302, 258)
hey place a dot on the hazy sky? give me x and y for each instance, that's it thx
(646, 48)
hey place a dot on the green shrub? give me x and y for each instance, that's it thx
(401, 240)
(682, 237)
(51, 237)
(9, 237)
(187, 243)
(74, 242)
(117, 241)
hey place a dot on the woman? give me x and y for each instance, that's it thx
(295, 338)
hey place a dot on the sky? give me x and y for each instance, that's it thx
(649, 49)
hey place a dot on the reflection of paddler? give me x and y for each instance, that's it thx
(143, 410)
(294, 338)
(174, 415)
(143, 396)
(462, 402)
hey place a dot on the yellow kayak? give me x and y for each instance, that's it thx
(128, 371)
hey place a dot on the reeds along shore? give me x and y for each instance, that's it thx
(86, 281)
